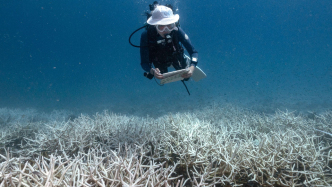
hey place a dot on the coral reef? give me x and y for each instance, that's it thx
(216, 146)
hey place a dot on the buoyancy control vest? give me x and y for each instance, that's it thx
(164, 51)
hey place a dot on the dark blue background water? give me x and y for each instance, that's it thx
(75, 55)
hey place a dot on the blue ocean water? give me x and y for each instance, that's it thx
(75, 55)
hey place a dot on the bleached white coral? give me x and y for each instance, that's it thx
(217, 145)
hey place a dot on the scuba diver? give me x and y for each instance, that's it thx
(161, 45)
(163, 37)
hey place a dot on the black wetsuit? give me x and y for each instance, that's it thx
(163, 52)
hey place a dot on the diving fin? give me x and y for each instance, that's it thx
(198, 74)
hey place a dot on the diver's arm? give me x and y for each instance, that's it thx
(184, 39)
(144, 52)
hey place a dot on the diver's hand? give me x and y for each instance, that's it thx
(156, 73)
(190, 73)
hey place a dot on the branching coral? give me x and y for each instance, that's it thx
(213, 147)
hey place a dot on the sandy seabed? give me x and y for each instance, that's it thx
(216, 146)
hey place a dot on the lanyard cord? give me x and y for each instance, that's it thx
(185, 86)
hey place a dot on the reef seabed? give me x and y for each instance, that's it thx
(217, 146)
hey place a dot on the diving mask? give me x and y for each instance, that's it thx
(163, 28)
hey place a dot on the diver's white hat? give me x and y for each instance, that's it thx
(162, 15)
